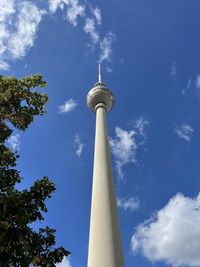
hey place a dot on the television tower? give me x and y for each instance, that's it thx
(105, 248)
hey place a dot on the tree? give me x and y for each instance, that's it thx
(20, 245)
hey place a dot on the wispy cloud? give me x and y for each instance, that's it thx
(74, 11)
(123, 147)
(173, 70)
(89, 28)
(184, 131)
(55, 4)
(187, 87)
(92, 19)
(65, 263)
(29, 18)
(68, 106)
(79, 145)
(97, 14)
(14, 142)
(106, 47)
(125, 144)
(172, 235)
(197, 82)
(108, 69)
(130, 204)
(19, 22)
(140, 125)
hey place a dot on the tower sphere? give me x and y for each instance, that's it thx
(100, 94)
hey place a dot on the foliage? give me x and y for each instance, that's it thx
(20, 245)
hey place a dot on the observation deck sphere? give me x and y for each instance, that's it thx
(100, 94)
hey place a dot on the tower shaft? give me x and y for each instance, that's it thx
(104, 241)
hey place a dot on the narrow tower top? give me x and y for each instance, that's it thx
(100, 94)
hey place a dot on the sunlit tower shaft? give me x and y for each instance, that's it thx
(105, 248)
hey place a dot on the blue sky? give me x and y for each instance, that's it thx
(150, 58)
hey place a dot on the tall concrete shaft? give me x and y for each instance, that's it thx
(105, 248)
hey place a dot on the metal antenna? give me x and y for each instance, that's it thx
(99, 73)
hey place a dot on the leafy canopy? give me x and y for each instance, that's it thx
(20, 245)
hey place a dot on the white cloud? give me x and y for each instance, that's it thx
(65, 263)
(173, 70)
(123, 148)
(198, 81)
(20, 19)
(74, 11)
(108, 69)
(173, 234)
(68, 106)
(125, 144)
(184, 131)
(140, 125)
(188, 85)
(29, 18)
(18, 27)
(78, 145)
(7, 9)
(131, 203)
(89, 28)
(97, 14)
(14, 142)
(106, 47)
(55, 4)
(3, 65)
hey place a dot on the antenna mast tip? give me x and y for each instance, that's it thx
(99, 72)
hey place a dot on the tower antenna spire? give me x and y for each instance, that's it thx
(100, 73)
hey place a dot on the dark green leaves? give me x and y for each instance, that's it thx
(20, 245)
